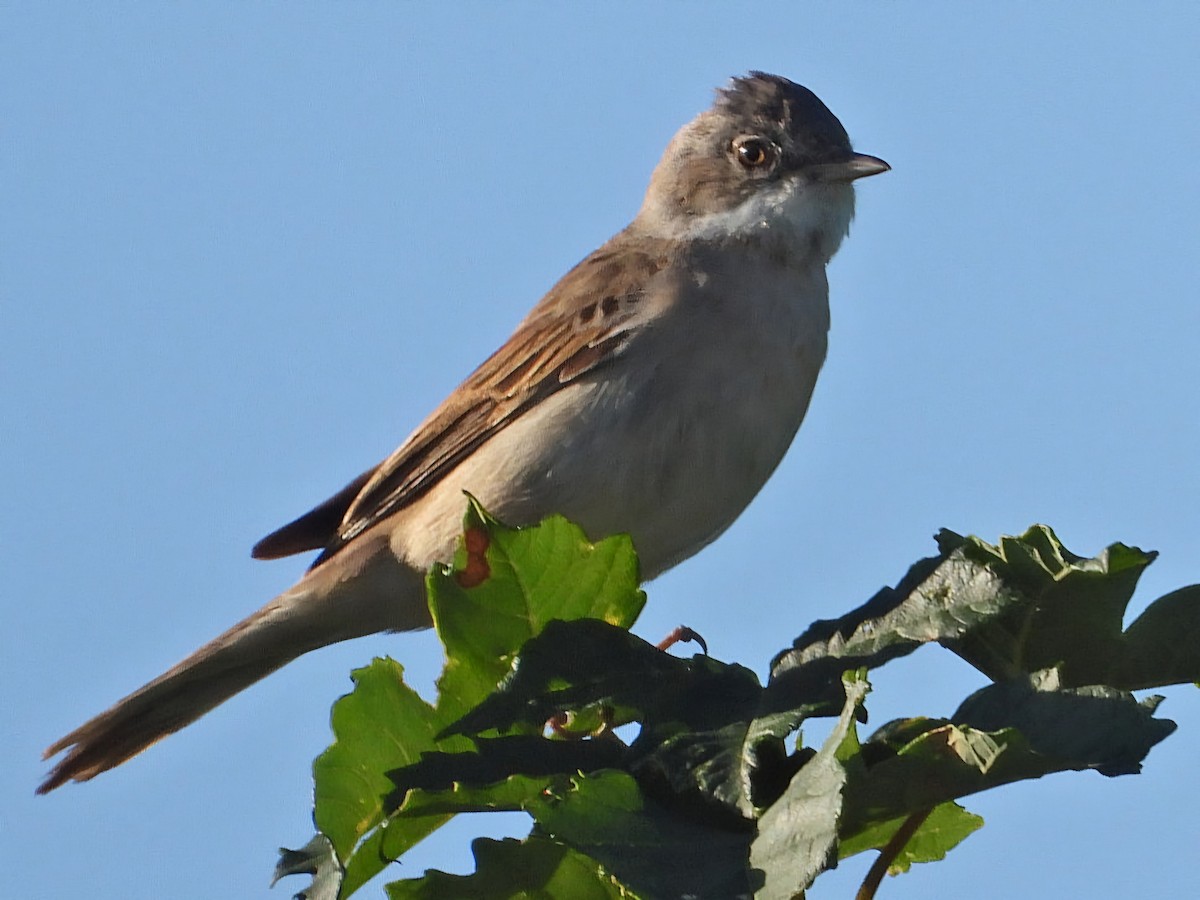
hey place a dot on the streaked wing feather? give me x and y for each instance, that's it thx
(582, 324)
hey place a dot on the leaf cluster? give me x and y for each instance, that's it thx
(710, 791)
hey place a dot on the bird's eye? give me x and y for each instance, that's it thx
(755, 152)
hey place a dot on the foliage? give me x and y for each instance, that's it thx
(714, 797)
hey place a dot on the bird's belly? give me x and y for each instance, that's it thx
(685, 454)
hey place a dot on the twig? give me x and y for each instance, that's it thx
(888, 854)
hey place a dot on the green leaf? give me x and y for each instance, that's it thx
(512, 794)
(1162, 646)
(940, 598)
(1073, 614)
(943, 830)
(1009, 609)
(1003, 733)
(797, 835)
(1095, 726)
(571, 665)
(383, 724)
(506, 585)
(522, 580)
(486, 775)
(940, 765)
(517, 870)
(699, 740)
(655, 852)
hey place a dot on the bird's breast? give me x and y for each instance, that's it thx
(683, 432)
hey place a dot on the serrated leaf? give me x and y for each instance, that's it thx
(1094, 726)
(939, 598)
(382, 725)
(1019, 606)
(517, 870)
(943, 764)
(797, 835)
(1003, 733)
(521, 580)
(1074, 613)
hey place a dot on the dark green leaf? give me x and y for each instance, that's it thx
(937, 600)
(497, 759)
(1074, 610)
(652, 850)
(699, 742)
(578, 664)
(1018, 730)
(1096, 726)
(797, 835)
(517, 870)
(1162, 646)
(940, 765)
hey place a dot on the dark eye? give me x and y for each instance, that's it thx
(754, 152)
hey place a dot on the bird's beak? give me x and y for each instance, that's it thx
(859, 165)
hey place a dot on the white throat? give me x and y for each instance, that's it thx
(794, 211)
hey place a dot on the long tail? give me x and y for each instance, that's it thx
(308, 616)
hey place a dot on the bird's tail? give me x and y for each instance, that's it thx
(308, 616)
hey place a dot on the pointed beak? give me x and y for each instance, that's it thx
(859, 165)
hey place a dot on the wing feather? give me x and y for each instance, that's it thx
(585, 322)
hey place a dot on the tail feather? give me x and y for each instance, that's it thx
(168, 703)
(306, 617)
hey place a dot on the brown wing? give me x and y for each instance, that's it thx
(316, 528)
(585, 321)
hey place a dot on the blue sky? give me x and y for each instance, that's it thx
(244, 249)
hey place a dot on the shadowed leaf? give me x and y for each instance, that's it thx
(797, 836)
(517, 870)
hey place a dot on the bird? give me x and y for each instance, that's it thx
(652, 392)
